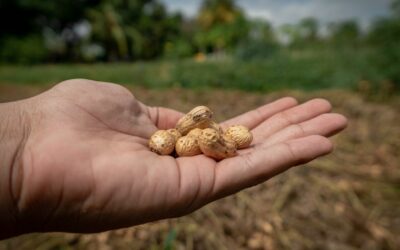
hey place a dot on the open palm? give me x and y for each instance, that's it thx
(87, 168)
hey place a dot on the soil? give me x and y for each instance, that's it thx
(348, 200)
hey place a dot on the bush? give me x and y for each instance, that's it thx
(256, 50)
(25, 50)
(178, 49)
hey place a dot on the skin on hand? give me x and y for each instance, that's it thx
(14, 131)
(85, 165)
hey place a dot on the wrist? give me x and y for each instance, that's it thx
(14, 131)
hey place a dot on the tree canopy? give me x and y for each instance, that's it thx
(128, 30)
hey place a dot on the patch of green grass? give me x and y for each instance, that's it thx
(306, 70)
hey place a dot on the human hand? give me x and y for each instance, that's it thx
(86, 166)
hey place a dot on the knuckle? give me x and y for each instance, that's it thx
(298, 130)
(285, 118)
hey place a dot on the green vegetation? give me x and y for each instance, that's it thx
(353, 195)
(220, 47)
(304, 69)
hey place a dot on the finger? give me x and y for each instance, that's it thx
(254, 117)
(324, 125)
(291, 116)
(164, 118)
(247, 170)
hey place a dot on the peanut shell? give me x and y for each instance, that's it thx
(212, 144)
(175, 133)
(162, 142)
(195, 132)
(240, 135)
(199, 117)
(187, 146)
(216, 126)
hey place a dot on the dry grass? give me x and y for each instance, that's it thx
(348, 200)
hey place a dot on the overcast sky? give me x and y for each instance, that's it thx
(291, 11)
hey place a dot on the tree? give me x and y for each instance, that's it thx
(33, 15)
(396, 8)
(386, 31)
(309, 29)
(222, 25)
(302, 34)
(22, 23)
(345, 33)
(122, 29)
(384, 36)
(217, 12)
(260, 43)
(132, 29)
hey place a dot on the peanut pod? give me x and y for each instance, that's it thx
(187, 146)
(216, 126)
(175, 133)
(240, 135)
(162, 142)
(195, 132)
(199, 117)
(213, 144)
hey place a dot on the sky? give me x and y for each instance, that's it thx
(280, 12)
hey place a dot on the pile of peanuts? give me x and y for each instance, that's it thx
(196, 133)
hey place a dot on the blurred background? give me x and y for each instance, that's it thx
(179, 54)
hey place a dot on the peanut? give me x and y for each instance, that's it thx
(212, 144)
(187, 146)
(216, 126)
(175, 133)
(195, 133)
(162, 142)
(199, 117)
(240, 135)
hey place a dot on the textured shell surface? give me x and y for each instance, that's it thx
(196, 132)
(200, 113)
(209, 136)
(175, 133)
(199, 117)
(162, 142)
(240, 135)
(216, 126)
(213, 145)
(187, 146)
